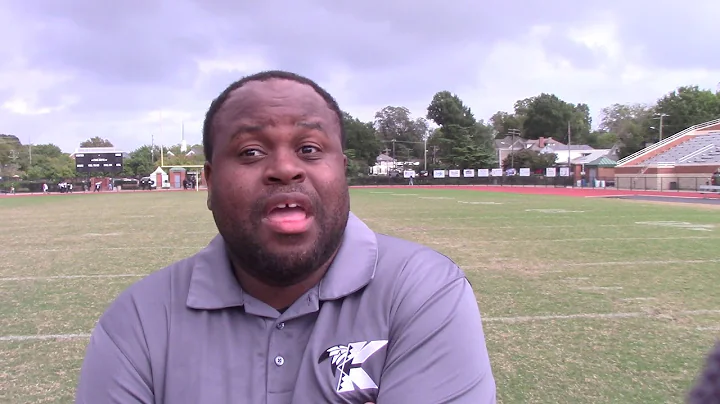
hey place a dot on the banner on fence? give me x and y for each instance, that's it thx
(564, 171)
(454, 173)
(409, 173)
(524, 172)
(550, 172)
(439, 173)
(469, 172)
(496, 172)
(483, 172)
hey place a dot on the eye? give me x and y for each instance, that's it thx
(251, 153)
(309, 149)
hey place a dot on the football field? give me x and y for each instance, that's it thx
(585, 300)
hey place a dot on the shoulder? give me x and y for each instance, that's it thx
(413, 274)
(146, 304)
(406, 259)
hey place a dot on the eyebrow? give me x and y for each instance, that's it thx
(311, 125)
(244, 129)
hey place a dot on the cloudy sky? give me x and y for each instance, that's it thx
(128, 70)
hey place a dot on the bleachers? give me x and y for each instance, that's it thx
(701, 149)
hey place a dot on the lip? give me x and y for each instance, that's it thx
(287, 198)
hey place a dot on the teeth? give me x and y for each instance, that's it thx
(288, 205)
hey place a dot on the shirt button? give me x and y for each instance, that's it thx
(280, 326)
(279, 360)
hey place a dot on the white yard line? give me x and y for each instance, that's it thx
(618, 263)
(42, 278)
(637, 299)
(507, 320)
(637, 314)
(600, 288)
(629, 238)
(73, 248)
(551, 264)
(539, 226)
(12, 338)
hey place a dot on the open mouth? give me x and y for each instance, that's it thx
(284, 212)
(289, 213)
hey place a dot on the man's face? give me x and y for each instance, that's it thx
(276, 184)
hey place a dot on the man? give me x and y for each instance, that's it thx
(707, 386)
(296, 300)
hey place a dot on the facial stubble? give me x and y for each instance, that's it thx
(277, 268)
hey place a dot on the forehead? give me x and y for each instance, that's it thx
(273, 102)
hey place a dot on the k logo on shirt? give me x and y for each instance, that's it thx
(348, 361)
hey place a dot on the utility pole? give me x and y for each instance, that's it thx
(568, 145)
(661, 115)
(512, 132)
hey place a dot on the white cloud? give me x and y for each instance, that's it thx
(97, 71)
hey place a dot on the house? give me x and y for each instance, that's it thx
(563, 152)
(505, 146)
(197, 150)
(598, 164)
(384, 164)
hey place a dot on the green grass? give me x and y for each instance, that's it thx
(521, 262)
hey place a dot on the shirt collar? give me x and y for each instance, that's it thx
(213, 284)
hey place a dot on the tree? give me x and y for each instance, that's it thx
(362, 145)
(49, 163)
(96, 141)
(141, 161)
(600, 139)
(397, 129)
(502, 122)
(529, 159)
(447, 109)
(548, 116)
(628, 124)
(10, 151)
(687, 106)
(461, 141)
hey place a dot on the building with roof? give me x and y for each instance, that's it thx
(683, 161)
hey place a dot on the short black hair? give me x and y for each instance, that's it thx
(264, 76)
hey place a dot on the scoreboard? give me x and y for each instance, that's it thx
(98, 162)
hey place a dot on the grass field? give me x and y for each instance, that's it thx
(581, 303)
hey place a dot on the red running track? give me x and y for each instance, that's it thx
(577, 192)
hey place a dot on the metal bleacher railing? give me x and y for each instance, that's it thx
(666, 141)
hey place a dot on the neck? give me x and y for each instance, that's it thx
(279, 297)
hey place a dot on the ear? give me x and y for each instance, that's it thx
(207, 171)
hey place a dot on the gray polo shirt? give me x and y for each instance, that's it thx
(391, 322)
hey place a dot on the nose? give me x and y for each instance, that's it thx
(284, 169)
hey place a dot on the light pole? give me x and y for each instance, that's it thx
(425, 154)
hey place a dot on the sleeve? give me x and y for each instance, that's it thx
(437, 352)
(113, 375)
